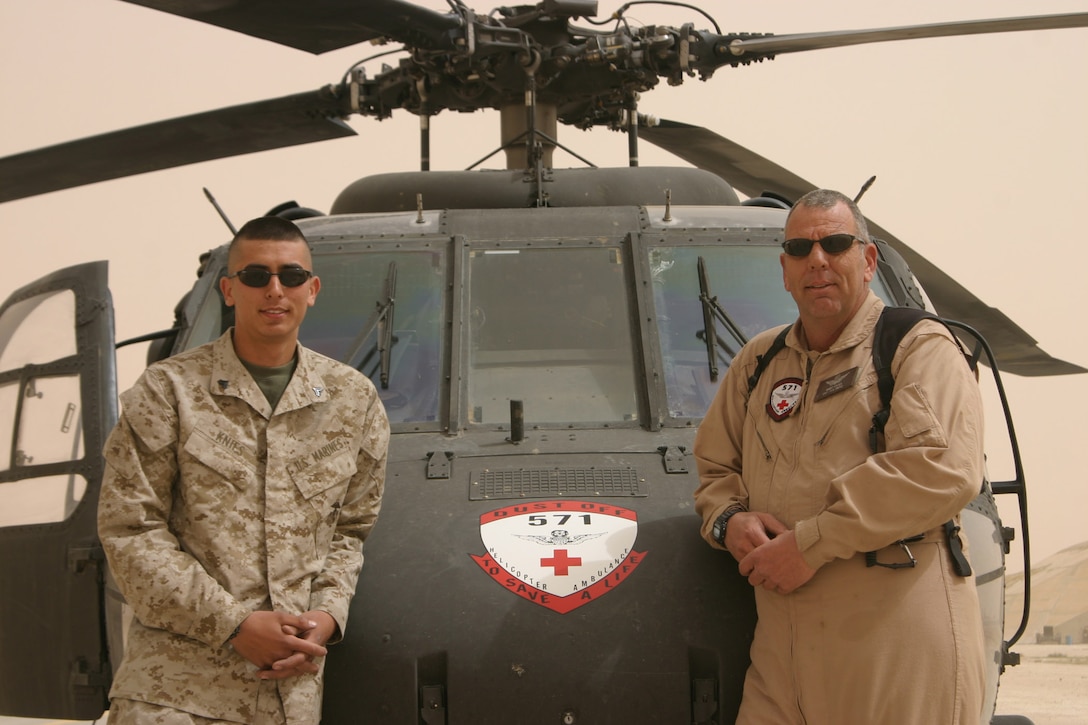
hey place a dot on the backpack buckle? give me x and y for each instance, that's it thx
(870, 556)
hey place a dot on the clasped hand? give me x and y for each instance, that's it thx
(284, 645)
(767, 552)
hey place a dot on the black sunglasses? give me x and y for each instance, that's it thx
(832, 244)
(259, 277)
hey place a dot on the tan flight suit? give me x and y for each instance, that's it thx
(855, 644)
(213, 507)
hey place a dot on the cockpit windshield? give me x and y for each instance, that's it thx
(556, 324)
(354, 322)
(550, 327)
(745, 281)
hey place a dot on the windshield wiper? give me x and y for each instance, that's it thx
(382, 318)
(712, 310)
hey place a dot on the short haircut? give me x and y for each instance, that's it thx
(829, 199)
(267, 229)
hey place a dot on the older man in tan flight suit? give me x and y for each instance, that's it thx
(790, 487)
(241, 481)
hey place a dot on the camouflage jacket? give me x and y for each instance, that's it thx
(213, 506)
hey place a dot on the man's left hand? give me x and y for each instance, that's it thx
(777, 565)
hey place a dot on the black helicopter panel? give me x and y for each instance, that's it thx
(468, 623)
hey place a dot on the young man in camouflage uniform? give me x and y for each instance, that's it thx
(790, 487)
(241, 481)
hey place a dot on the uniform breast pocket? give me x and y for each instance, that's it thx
(325, 483)
(221, 462)
(844, 421)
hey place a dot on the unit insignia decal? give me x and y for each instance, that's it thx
(784, 397)
(559, 554)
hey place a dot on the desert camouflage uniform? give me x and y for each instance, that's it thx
(856, 644)
(213, 506)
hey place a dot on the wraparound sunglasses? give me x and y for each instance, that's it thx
(832, 244)
(259, 277)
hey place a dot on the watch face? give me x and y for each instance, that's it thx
(718, 530)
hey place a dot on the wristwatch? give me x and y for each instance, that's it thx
(718, 530)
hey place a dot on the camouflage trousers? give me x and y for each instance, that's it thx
(134, 712)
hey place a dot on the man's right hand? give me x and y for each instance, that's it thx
(748, 530)
(269, 637)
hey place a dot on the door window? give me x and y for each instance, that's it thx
(40, 415)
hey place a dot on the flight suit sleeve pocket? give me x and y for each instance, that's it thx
(915, 418)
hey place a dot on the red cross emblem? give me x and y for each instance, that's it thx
(784, 397)
(561, 562)
(559, 554)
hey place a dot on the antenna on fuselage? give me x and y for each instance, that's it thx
(222, 214)
(864, 188)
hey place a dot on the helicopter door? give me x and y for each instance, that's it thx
(57, 403)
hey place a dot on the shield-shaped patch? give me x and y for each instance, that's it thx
(559, 554)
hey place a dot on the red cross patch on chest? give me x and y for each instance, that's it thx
(784, 397)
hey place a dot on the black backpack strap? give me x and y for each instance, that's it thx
(893, 325)
(762, 361)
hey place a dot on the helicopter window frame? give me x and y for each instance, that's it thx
(326, 248)
(210, 317)
(655, 339)
(633, 362)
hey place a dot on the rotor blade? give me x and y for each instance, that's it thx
(248, 128)
(776, 44)
(745, 170)
(1016, 351)
(318, 26)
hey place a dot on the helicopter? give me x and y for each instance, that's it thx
(449, 437)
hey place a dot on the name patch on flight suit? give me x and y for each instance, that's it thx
(837, 383)
(784, 397)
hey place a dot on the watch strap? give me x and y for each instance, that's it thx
(723, 520)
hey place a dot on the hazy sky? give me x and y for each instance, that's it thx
(978, 144)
